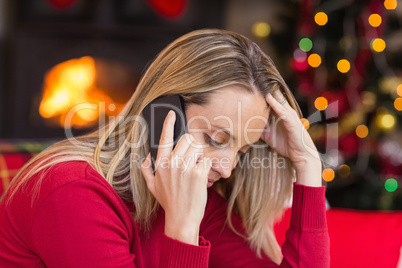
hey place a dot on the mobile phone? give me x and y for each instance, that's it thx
(155, 114)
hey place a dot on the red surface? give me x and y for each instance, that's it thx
(359, 238)
(10, 164)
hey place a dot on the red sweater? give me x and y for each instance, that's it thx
(78, 220)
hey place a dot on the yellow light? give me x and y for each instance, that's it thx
(398, 104)
(378, 45)
(399, 90)
(305, 123)
(321, 18)
(321, 103)
(314, 60)
(390, 4)
(328, 174)
(362, 131)
(343, 66)
(385, 121)
(388, 121)
(344, 171)
(375, 20)
(261, 29)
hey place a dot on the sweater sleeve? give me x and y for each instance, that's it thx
(307, 240)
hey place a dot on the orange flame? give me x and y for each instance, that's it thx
(69, 84)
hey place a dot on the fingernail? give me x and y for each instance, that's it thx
(269, 95)
(171, 112)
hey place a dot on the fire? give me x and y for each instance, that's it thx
(69, 84)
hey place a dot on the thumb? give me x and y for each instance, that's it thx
(147, 172)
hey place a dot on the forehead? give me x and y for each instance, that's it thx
(232, 107)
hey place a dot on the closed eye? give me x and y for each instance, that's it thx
(213, 142)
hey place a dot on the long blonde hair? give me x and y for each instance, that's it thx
(193, 66)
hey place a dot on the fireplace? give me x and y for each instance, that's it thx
(117, 37)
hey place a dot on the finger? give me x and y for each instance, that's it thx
(276, 106)
(183, 144)
(278, 95)
(193, 154)
(204, 164)
(166, 140)
(147, 172)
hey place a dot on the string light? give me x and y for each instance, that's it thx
(321, 18)
(391, 185)
(344, 171)
(261, 29)
(299, 55)
(328, 174)
(390, 4)
(306, 44)
(386, 121)
(321, 103)
(377, 44)
(398, 104)
(399, 90)
(343, 66)
(305, 123)
(375, 20)
(314, 60)
(362, 131)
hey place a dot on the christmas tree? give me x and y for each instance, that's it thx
(343, 60)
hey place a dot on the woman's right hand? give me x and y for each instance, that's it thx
(179, 183)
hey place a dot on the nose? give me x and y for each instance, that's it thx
(225, 164)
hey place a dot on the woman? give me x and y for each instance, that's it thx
(97, 203)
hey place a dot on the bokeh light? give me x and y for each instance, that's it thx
(299, 55)
(306, 44)
(344, 171)
(321, 18)
(375, 20)
(390, 4)
(328, 174)
(378, 45)
(321, 103)
(305, 123)
(398, 104)
(399, 90)
(314, 60)
(343, 66)
(362, 131)
(386, 121)
(261, 29)
(391, 185)
(300, 65)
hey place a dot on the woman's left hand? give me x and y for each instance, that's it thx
(288, 136)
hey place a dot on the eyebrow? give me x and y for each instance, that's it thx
(226, 131)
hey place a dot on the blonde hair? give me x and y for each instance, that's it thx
(193, 66)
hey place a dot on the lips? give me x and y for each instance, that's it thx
(211, 181)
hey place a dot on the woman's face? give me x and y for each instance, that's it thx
(231, 121)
